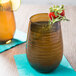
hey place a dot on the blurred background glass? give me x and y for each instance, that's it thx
(7, 23)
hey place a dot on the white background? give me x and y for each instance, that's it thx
(43, 2)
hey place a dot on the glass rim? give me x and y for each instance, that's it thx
(36, 15)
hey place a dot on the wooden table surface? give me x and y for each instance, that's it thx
(7, 63)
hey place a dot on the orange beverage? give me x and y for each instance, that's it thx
(7, 22)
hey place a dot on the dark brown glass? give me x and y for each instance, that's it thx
(44, 43)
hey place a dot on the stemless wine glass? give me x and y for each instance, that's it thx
(7, 22)
(44, 43)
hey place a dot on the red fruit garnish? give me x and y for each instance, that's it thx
(63, 13)
(57, 13)
(51, 14)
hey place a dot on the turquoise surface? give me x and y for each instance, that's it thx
(24, 68)
(19, 38)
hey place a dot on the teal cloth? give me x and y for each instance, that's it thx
(24, 68)
(19, 38)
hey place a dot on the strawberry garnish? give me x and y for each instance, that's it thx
(63, 13)
(56, 14)
(52, 14)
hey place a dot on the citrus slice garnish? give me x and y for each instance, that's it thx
(15, 3)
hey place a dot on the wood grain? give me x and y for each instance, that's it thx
(7, 63)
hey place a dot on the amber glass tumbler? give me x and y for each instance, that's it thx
(44, 43)
(7, 22)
